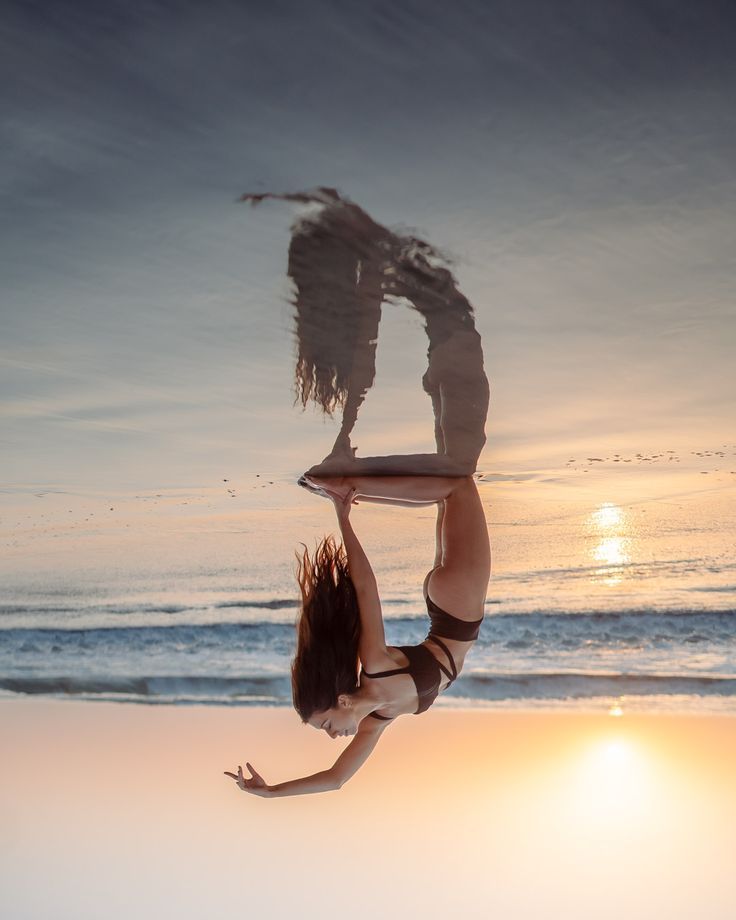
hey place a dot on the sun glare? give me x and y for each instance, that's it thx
(608, 527)
(608, 515)
(615, 753)
(612, 780)
(611, 551)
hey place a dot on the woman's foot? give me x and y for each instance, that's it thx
(326, 487)
(310, 486)
(339, 462)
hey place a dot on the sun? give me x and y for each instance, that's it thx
(611, 779)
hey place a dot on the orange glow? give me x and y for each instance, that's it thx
(101, 797)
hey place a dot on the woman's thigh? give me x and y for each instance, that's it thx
(459, 584)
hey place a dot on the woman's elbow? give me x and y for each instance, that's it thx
(336, 780)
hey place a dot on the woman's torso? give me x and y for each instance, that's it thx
(410, 692)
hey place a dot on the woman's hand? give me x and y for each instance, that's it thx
(253, 783)
(343, 503)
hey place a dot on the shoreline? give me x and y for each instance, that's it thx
(606, 706)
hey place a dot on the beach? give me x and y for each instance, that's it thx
(243, 243)
(123, 810)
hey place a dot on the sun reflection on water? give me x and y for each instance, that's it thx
(608, 526)
(611, 551)
(608, 515)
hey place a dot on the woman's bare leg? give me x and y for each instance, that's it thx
(432, 465)
(396, 502)
(459, 584)
(409, 489)
(438, 551)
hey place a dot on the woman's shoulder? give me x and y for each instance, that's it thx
(375, 723)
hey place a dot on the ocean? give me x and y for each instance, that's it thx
(627, 607)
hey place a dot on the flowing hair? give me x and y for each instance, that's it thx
(328, 630)
(337, 259)
(324, 269)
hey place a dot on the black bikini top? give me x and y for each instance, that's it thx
(425, 670)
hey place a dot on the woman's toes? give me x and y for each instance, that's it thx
(332, 485)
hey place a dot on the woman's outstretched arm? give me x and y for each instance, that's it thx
(346, 765)
(372, 648)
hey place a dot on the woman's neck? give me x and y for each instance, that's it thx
(368, 699)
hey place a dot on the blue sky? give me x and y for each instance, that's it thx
(576, 159)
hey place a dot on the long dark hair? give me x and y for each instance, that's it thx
(324, 268)
(338, 257)
(328, 630)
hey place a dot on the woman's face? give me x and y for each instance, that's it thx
(338, 721)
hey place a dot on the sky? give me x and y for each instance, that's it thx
(124, 811)
(576, 160)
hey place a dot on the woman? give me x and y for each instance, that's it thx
(345, 679)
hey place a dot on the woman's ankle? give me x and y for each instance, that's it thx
(462, 484)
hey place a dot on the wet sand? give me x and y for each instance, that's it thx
(122, 810)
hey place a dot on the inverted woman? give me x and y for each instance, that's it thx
(346, 681)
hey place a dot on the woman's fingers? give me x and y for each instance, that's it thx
(347, 499)
(238, 777)
(255, 775)
(254, 783)
(247, 784)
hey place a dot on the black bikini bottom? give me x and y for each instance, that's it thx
(449, 627)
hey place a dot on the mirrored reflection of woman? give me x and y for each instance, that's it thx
(345, 679)
(344, 265)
